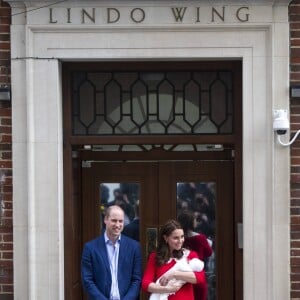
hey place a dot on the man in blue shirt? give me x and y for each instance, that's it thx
(111, 265)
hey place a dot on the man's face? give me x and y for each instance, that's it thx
(114, 223)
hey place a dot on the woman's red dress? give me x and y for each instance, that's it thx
(199, 244)
(153, 272)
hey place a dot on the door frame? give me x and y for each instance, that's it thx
(75, 151)
(80, 156)
(158, 202)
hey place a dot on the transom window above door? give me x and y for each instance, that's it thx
(152, 102)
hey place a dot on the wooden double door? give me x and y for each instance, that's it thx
(163, 189)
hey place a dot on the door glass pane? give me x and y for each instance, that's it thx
(196, 211)
(125, 195)
(143, 103)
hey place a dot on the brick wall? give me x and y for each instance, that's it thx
(294, 15)
(6, 229)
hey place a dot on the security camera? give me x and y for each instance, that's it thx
(280, 121)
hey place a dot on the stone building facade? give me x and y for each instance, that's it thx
(271, 202)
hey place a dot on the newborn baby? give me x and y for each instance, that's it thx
(182, 264)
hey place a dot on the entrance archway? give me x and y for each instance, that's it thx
(85, 148)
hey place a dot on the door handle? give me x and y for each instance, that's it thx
(151, 242)
(240, 235)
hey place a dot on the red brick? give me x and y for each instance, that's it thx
(7, 188)
(6, 246)
(294, 76)
(295, 194)
(295, 161)
(295, 68)
(295, 202)
(295, 286)
(294, 18)
(5, 129)
(5, 46)
(295, 269)
(295, 227)
(7, 255)
(5, 112)
(8, 288)
(295, 295)
(4, 79)
(295, 151)
(6, 264)
(5, 223)
(293, 59)
(295, 178)
(295, 211)
(295, 220)
(295, 109)
(5, 164)
(4, 54)
(5, 11)
(4, 28)
(5, 138)
(296, 144)
(7, 237)
(6, 215)
(7, 200)
(294, 260)
(295, 34)
(4, 37)
(5, 19)
(6, 155)
(295, 235)
(5, 121)
(7, 277)
(7, 178)
(8, 203)
(295, 277)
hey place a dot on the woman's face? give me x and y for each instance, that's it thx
(175, 240)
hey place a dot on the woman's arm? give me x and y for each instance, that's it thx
(162, 289)
(149, 279)
(178, 275)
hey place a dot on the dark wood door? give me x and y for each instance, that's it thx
(161, 188)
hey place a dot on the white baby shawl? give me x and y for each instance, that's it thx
(184, 265)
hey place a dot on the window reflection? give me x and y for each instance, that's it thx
(196, 212)
(125, 195)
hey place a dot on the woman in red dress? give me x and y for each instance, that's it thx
(197, 242)
(169, 251)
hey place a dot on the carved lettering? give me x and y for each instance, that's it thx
(51, 16)
(137, 15)
(85, 13)
(178, 13)
(215, 12)
(245, 17)
(69, 15)
(197, 14)
(113, 15)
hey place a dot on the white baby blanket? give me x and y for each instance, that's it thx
(184, 265)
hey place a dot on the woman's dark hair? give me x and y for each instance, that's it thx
(186, 219)
(163, 252)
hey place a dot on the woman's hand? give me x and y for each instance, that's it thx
(158, 288)
(164, 280)
(171, 288)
